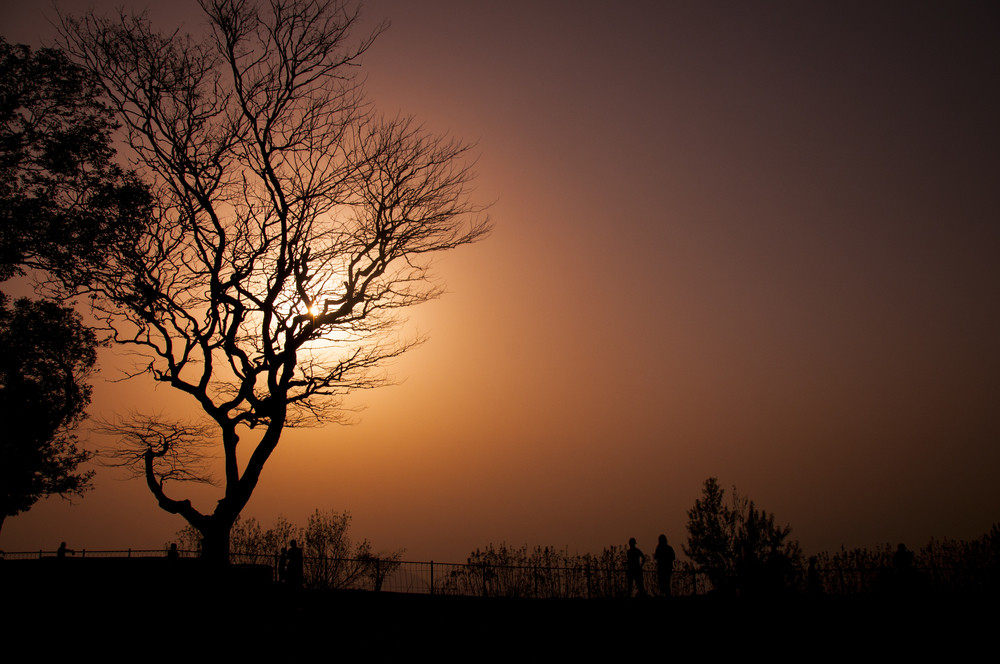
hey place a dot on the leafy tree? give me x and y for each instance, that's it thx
(64, 207)
(291, 223)
(738, 546)
(46, 355)
(712, 534)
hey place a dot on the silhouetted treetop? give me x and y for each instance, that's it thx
(65, 206)
(737, 545)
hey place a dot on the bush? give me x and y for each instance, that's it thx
(331, 559)
(739, 547)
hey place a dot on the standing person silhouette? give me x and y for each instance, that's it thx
(294, 571)
(664, 557)
(634, 558)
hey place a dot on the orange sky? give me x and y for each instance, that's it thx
(754, 241)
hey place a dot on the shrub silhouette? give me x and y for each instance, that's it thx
(739, 547)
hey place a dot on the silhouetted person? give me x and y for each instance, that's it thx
(294, 570)
(905, 578)
(902, 560)
(172, 552)
(61, 551)
(634, 558)
(664, 557)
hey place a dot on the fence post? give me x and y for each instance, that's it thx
(83, 553)
(432, 577)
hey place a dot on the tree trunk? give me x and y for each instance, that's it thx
(215, 540)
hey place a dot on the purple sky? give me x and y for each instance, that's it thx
(756, 241)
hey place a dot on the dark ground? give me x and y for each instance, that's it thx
(150, 609)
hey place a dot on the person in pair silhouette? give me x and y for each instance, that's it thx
(634, 558)
(293, 571)
(664, 557)
(902, 560)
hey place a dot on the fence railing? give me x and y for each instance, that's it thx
(493, 580)
(474, 579)
(91, 553)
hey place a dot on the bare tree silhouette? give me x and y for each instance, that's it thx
(292, 222)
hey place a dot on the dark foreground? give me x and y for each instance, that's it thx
(151, 607)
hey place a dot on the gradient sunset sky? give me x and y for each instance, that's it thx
(752, 240)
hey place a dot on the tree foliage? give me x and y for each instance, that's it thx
(64, 205)
(290, 222)
(46, 355)
(737, 545)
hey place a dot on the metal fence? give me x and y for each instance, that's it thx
(469, 579)
(92, 553)
(475, 579)
(549, 581)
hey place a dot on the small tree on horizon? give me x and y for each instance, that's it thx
(291, 222)
(738, 546)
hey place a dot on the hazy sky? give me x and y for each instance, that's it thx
(751, 240)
